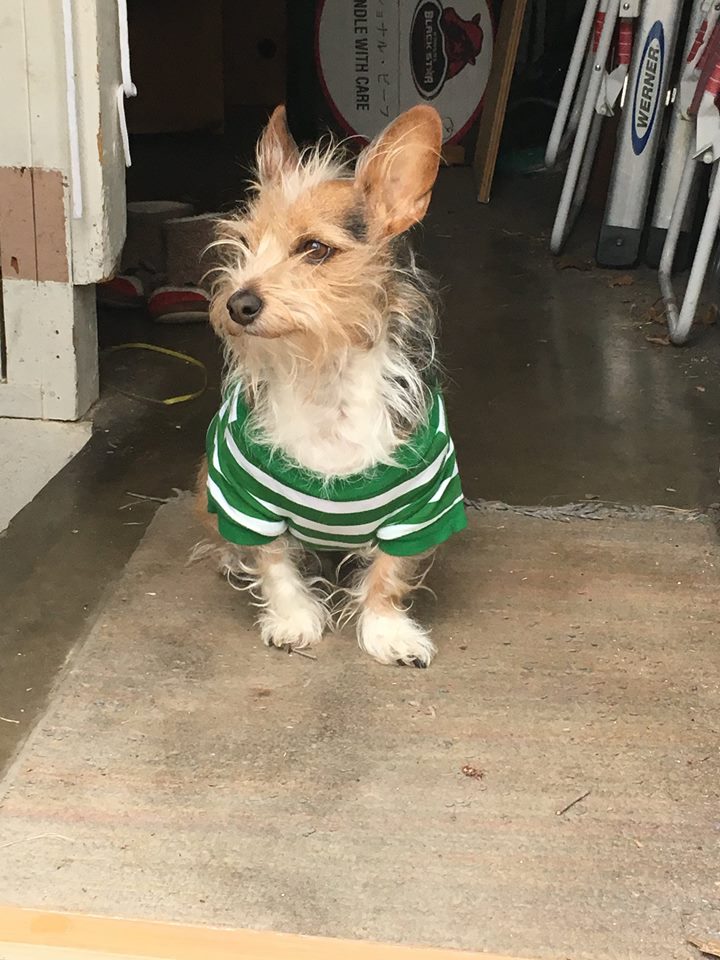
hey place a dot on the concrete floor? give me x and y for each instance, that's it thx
(185, 772)
(555, 395)
(41, 448)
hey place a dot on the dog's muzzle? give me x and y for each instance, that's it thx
(244, 307)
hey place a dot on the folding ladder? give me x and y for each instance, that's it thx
(681, 134)
(639, 134)
(589, 94)
(699, 90)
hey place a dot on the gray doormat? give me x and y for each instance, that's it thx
(185, 772)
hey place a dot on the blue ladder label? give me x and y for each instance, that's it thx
(648, 87)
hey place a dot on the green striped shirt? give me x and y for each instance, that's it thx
(405, 508)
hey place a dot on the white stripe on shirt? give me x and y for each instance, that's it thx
(438, 495)
(349, 530)
(397, 530)
(329, 544)
(337, 506)
(266, 528)
(442, 420)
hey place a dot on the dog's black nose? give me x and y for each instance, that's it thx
(244, 306)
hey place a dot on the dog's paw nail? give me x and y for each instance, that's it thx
(412, 662)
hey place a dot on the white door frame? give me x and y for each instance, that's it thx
(50, 259)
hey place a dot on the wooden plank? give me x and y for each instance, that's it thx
(97, 239)
(15, 150)
(45, 51)
(710, 947)
(50, 225)
(18, 259)
(512, 15)
(25, 951)
(33, 236)
(114, 939)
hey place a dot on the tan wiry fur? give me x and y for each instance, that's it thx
(336, 366)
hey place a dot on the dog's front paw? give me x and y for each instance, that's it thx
(294, 626)
(395, 638)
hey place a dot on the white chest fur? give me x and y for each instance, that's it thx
(336, 424)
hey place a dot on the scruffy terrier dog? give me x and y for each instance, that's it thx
(332, 434)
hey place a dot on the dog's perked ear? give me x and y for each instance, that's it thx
(396, 172)
(276, 149)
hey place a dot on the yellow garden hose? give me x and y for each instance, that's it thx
(177, 355)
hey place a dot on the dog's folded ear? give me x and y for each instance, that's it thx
(277, 152)
(396, 172)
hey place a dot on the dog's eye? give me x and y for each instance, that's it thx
(315, 251)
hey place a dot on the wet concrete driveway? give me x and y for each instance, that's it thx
(555, 395)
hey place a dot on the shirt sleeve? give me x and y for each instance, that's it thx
(241, 518)
(432, 518)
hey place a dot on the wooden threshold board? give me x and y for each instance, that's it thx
(34, 935)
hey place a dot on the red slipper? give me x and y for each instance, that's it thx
(122, 291)
(187, 304)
